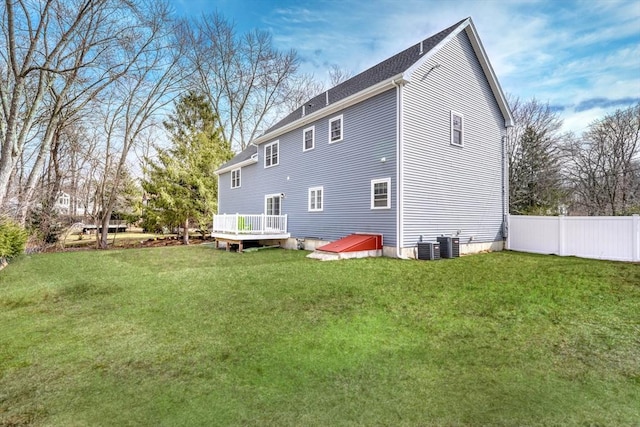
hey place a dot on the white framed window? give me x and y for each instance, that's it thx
(380, 193)
(235, 178)
(271, 157)
(316, 199)
(309, 138)
(272, 204)
(335, 129)
(457, 129)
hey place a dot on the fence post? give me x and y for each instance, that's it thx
(561, 235)
(635, 220)
(508, 225)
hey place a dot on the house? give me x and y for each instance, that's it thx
(62, 203)
(412, 148)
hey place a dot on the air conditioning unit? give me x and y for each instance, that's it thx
(428, 251)
(449, 246)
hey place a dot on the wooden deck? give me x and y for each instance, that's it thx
(235, 229)
(239, 239)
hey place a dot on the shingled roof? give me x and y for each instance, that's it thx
(388, 68)
(391, 67)
(244, 156)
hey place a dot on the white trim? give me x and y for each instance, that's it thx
(235, 166)
(239, 171)
(472, 33)
(451, 129)
(468, 26)
(334, 119)
(268, 196)
(379, 181)
(400, 170)
(316, 209)
(333, 108)
(313, 138)
(271, 144)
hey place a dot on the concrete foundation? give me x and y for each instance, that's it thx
(310, 244)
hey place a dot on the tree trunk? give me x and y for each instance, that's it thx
(185, 232)
(103, 243)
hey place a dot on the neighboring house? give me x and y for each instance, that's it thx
(67, 204)
(412, 147)
(63, 203)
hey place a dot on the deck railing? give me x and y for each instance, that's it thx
(250, 224)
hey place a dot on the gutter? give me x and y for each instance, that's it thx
(332, 108)
(236, 166)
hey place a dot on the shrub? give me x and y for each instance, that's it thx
(12, 239)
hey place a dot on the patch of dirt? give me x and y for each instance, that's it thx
(128, 244)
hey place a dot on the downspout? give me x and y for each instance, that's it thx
(213, 229)
(399, 169)
(505, 191)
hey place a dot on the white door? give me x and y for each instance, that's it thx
(273, 203)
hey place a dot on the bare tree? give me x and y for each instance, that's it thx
(45, 43)
(137, 99)
(60, 56)
(338, 75)
(243, 76)
(604, 166)
(533, 150)
(297, 90)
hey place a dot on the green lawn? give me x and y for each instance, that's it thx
(194, 336)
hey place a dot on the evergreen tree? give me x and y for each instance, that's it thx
(535, 180)
(180, 184)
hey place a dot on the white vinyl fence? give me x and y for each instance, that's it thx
(603, 237)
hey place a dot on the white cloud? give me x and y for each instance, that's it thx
(562, 52)
(578, 122)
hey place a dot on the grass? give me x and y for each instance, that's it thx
(194, 336)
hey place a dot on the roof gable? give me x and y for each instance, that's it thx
(380, 72)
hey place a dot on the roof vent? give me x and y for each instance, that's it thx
(421, 47)
(303, 111)
(327, 97)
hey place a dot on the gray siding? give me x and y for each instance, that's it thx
(344, 170)
(450, 189)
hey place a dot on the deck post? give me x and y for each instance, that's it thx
(262, 225)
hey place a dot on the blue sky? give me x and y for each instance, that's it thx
(583, 57)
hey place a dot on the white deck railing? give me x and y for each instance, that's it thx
(250, 224)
